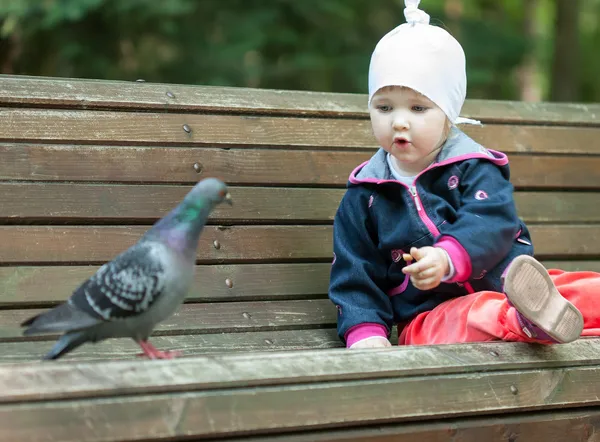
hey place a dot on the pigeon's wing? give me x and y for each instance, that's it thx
(124, 287)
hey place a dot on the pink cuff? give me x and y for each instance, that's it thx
(363, 331)
(459, 257)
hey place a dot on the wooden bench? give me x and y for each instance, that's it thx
(87, 166)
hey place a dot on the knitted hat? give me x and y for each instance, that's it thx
(424, 58)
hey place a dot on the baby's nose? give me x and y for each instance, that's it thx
(400, 122)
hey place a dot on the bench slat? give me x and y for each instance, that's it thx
(57, 244)
(203, 344)
(21, 286)
(90, 94)
(548, 426)
(250, 166)
(160, 129)
(76, 379)
(44, 286)
(312, 406)
(214, 317)
(51, 202)
(88, 203)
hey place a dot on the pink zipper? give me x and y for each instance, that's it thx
(422, 214)
(430, 225)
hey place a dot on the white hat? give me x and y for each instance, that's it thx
(424, 58)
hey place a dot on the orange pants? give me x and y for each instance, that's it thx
(487, 316)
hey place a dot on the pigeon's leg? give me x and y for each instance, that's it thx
(153, 353)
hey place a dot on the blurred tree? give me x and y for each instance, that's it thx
(321, 45)
(565, 66)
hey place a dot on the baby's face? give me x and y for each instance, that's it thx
(409, 126)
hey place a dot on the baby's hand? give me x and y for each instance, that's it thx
(431, 266)
(372, 342)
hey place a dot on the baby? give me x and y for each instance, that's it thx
(427, 235)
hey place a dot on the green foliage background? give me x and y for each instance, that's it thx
(320, 45)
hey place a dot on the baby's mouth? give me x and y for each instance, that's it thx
(401, 142)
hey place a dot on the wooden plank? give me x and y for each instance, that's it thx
(552, 426)
(289, 408)
(190, 345)
(40, 286)
(44, 286)
(160, 129)
(250, 166)
(57, 244)
(93, 203)
(76, 379)
(98, 244)
(100, 94)
(145, 204)
(215, 317)
(176, 165)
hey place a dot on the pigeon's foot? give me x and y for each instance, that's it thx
(151, 352)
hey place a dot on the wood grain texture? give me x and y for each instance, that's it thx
(93, 94)
(64, 379)
(160, 129)
(190, 345)
(214, 317)
(98, 244)
(51, 203)
(249, 282)
(22, 286)
(272, 167)
(288, 408)
(550, 426)
(248, 244)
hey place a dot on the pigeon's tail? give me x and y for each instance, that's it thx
(63, 318)
(66, 343)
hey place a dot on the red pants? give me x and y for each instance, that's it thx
(486, 316)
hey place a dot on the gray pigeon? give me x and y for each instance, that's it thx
(142, 286)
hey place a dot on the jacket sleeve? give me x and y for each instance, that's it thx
(486, 224)
(358, 273)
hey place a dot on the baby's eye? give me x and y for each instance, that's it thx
(384, 108)
(417, 108)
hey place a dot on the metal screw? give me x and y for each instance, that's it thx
(494, 353)
(246, 315)
(140, 80)
(229, 283)
(216, 244)
(514, 390)
(268, 341)
(170, 94)
(198, 167)
(187, 129)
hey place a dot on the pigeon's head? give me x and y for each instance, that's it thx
(211, 190)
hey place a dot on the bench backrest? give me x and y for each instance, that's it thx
(87, 166)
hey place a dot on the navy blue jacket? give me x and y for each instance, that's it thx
(463, 203)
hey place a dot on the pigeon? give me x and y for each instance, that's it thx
(139, 288)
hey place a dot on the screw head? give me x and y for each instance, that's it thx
(229, 283)
(170, 94)
(216, 244)
(187, 129)
(514, 390)
(198, 167)
(246, 315)
(140, 80)
(268, 341)
(494, 353)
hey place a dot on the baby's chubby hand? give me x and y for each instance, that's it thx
(431, 266)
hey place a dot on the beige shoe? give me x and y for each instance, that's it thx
(541, 310)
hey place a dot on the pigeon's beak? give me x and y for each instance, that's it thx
(228, 199)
